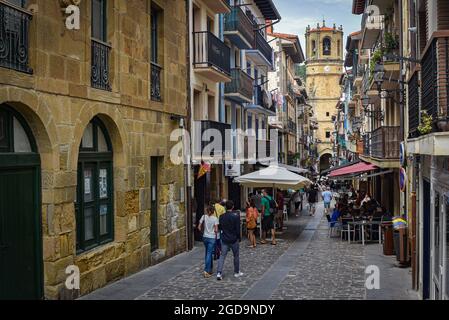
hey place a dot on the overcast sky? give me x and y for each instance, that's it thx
(297, 14)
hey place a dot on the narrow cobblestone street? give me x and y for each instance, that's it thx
(306, 264)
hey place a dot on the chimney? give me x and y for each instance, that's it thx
(270, 28)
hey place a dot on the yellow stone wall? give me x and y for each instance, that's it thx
(323, 77)
(58, 103)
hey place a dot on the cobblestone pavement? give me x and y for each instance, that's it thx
(328, 269)
(191, 285)
(306, 264)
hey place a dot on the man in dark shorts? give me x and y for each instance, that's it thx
(267, 219)
(312, 199)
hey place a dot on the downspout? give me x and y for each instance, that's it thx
(402, 198)
(188, 167)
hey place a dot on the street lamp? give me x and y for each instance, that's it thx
(378, 114)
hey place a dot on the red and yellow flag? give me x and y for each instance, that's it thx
(205, 168)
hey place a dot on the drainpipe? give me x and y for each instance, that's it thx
(188, 128)
(402, 198)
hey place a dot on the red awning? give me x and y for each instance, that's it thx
(356, 168)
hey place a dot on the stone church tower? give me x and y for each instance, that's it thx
(324, 67)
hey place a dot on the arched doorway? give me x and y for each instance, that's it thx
(21, 271)
(94, 202)
(325, 161)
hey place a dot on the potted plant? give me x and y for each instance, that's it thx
(443, 124)
(376, 58)
(390, 42)
(425, 126)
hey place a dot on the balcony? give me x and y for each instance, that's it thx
(100, 65)
(413, 105)
(218, 6)
(240, 88)
(250, 148)
(206, 133)
(291, 92)
(291, 125)
(211, 57)
(239, 29)
(358, 74)
(156, 82)
(367, 144)
(14, 38)
(385, 143)
(261, 52)
(372, 27)
(359, 148)
(435, 79)
(265, 150)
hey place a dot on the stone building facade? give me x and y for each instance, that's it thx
(324, 69)
(54, 93)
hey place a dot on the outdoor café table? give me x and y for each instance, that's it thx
(362, 224)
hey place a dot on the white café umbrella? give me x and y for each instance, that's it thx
(273, 177)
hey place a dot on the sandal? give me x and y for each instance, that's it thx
(263, 242)
(274, 244)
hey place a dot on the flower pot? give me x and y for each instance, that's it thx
(443, 125)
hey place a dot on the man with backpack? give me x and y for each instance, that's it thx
(269, 208)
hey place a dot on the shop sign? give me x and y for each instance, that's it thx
(233, 169)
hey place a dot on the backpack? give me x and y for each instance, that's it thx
(273, 205)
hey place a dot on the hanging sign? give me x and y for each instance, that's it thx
(232, 169)
(402, 179)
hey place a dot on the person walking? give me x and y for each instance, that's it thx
(268, 211)
(209, 226)
(327, 198)
(229, 225)
(297, 198)
(312, 199)
(251, 223)
(280, 211)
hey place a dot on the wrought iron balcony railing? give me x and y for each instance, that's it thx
(210, 51)
(238, 22)
(435, 78)
(264, 149)
(291, 91)
(100, 65)
(156, 72)
(385, 142)
(261, 44)
(205, 133)
(413, 105)
(14, 38)
(367, 144)
(241, 84)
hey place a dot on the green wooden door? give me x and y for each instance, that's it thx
(20, 245)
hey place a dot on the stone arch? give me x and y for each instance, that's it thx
(112, 119)
(325, 161)
(39, 118)
(327, 46)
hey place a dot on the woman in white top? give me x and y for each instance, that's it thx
(209, 226)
